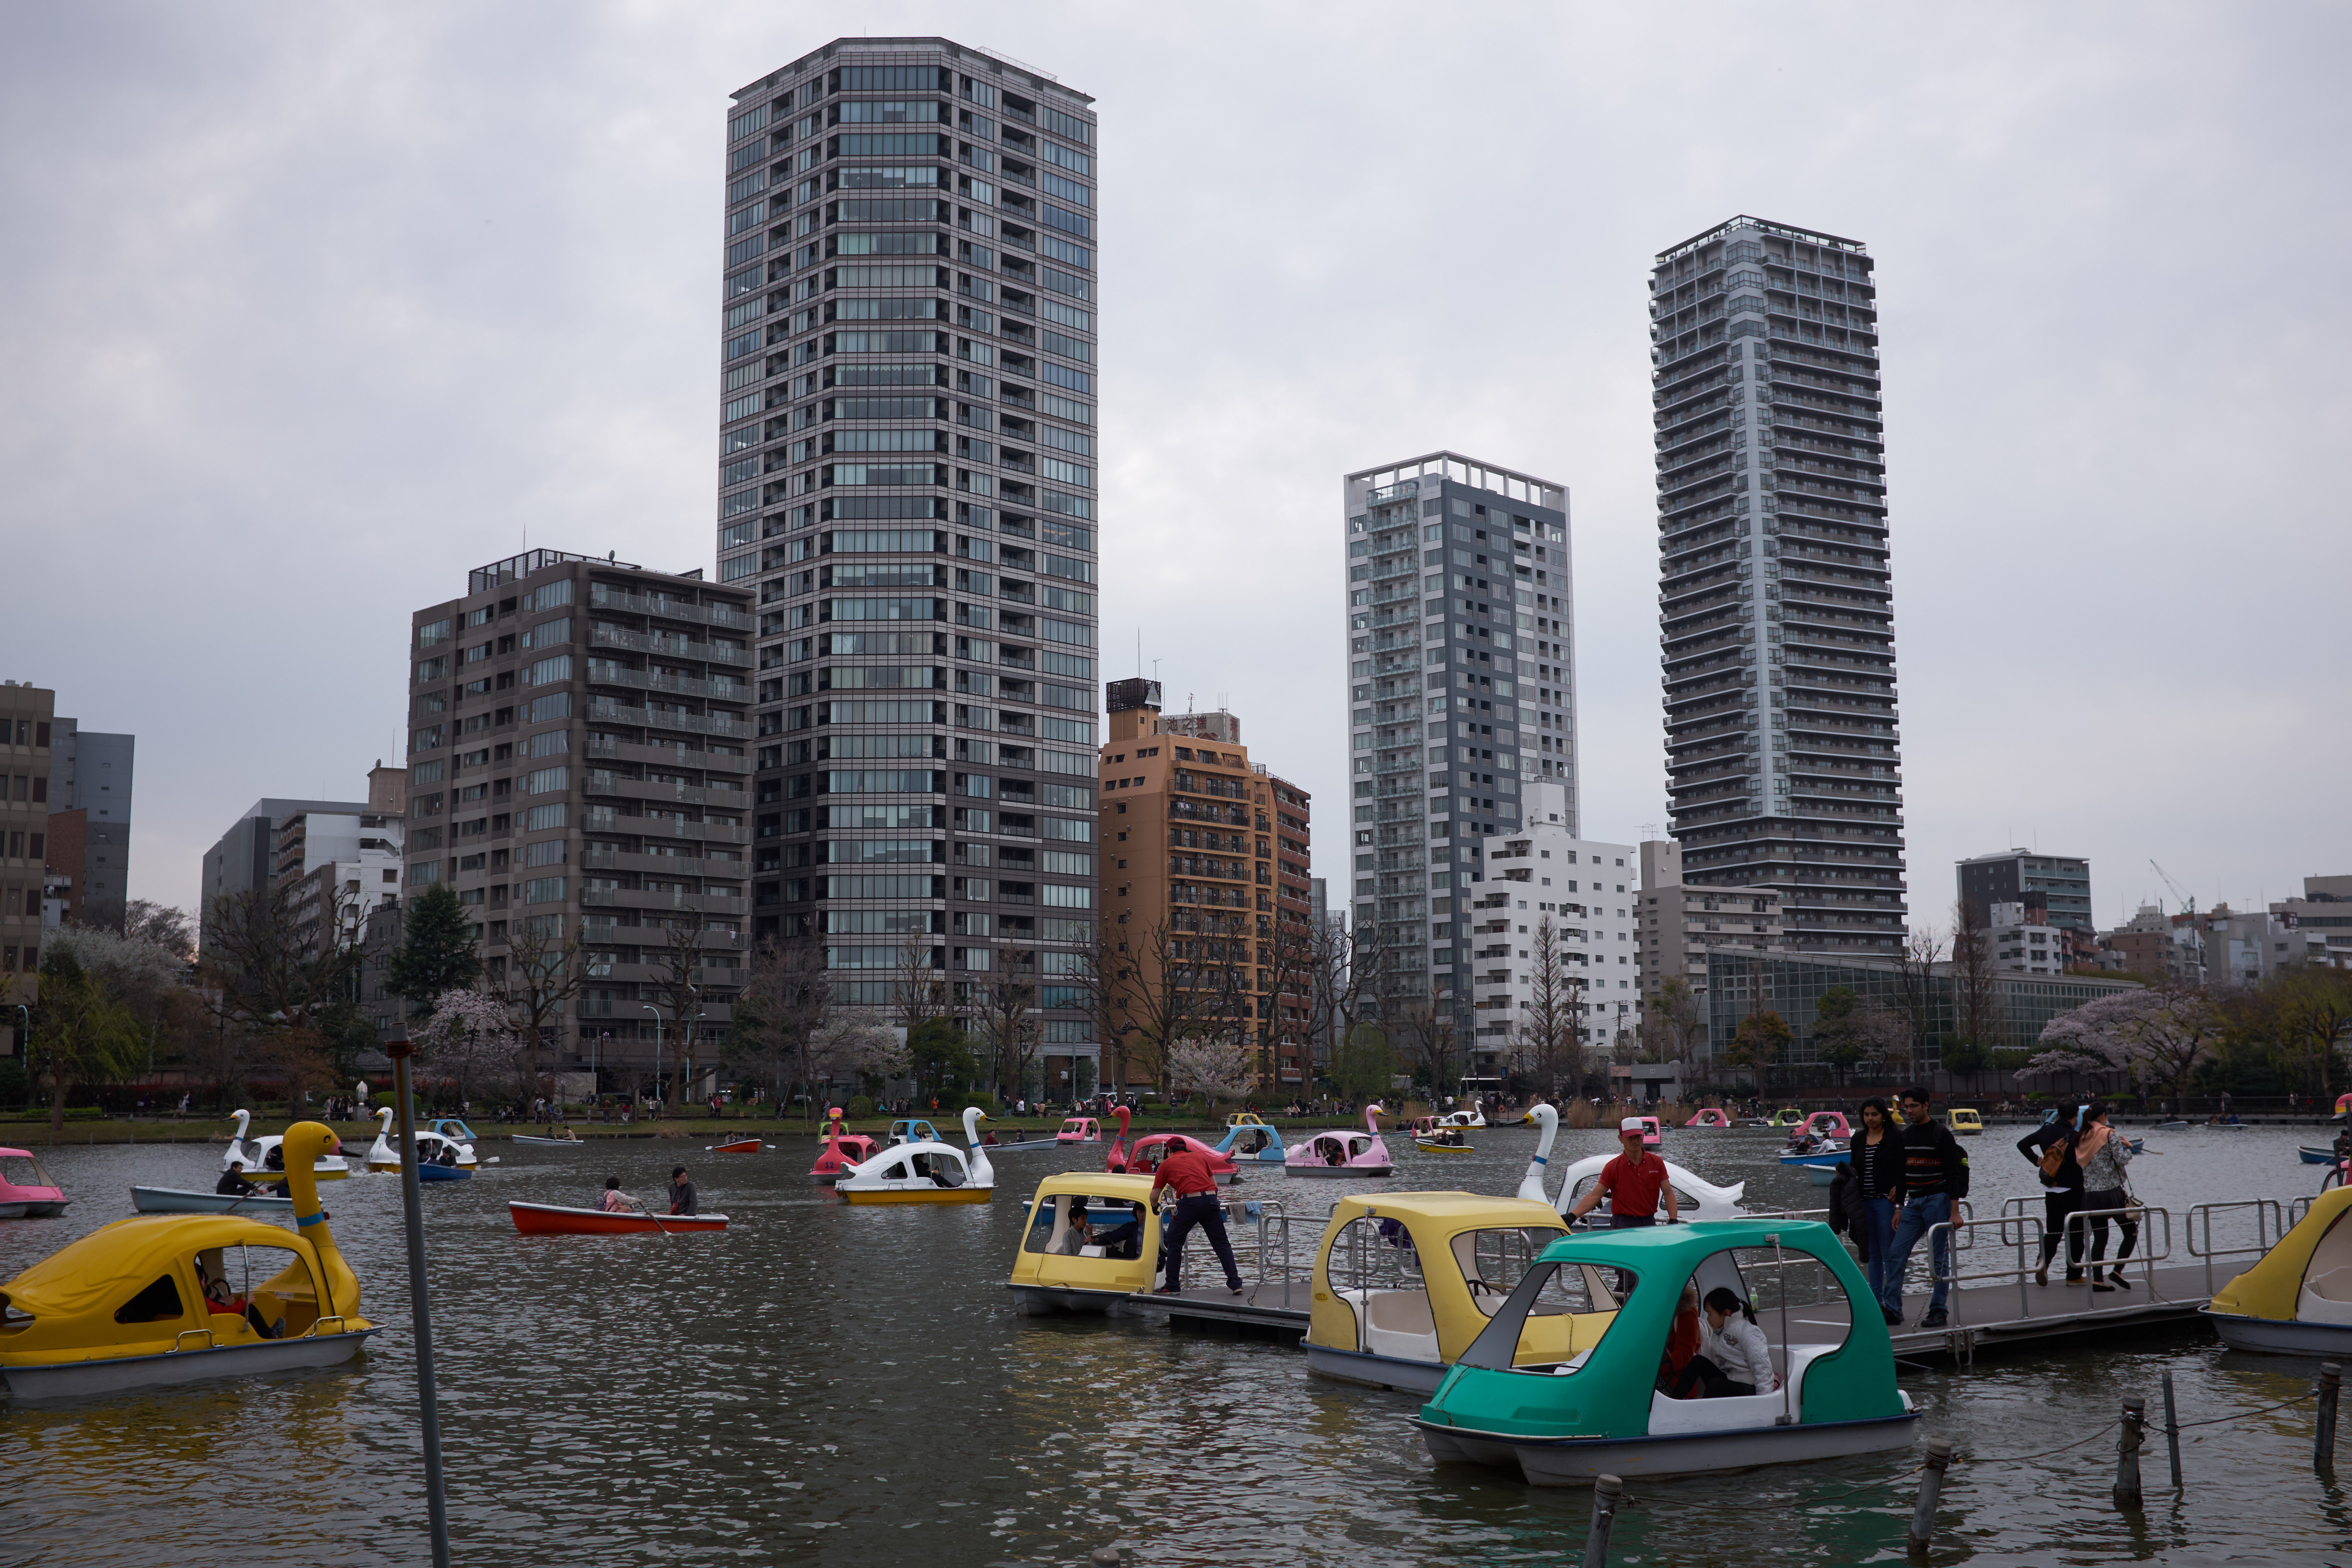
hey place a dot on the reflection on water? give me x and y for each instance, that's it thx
(828, 1386)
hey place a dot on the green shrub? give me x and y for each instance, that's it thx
(861, 1105)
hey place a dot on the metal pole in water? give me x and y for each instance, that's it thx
(2172, 1431)
(1607, 1491)
(2127, 1452)
(1931, 1488)
(436, 1508)
(2331, 1384)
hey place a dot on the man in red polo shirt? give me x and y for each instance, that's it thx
(1632, 1182)
(1186, 1170)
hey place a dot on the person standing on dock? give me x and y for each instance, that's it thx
(1935, 1174)
(2050, 1149)
(1875, 1195)
(1186, 1173)
(1632, 1182)
(2104, 1155)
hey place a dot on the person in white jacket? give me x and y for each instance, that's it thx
(1734, 1359)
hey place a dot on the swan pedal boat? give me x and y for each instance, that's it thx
(383, 1157)
(1149, 1151)
(265, 1158)
(1403, 1282)
(1075, 1254)
(1079, 1129)
(127, 1306)
(2297, 1299)
(927, 1171)
(841, 1151)
(1964, 1123)
(1343, 1153)
(1514, 1401)
(25, 1190)
(1709, 1116)
(555, 1219)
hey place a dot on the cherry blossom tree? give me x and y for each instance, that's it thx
(2159, 1035)
(469, 1037)
(1212, 1068)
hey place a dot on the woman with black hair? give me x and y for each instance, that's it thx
(1734, 1360)
(1875, 1197)
(2050, 1149)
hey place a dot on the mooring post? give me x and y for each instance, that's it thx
(1931, 1488)
(2135, 1418)
(1606, 1492)
(2172, 1431)
(1103, 1557)
(2331, 1384)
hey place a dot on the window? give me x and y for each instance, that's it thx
(544, 890)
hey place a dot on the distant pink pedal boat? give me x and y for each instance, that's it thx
(1342, 1153)
(25, 1190)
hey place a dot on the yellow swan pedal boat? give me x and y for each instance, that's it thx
(166, 1299)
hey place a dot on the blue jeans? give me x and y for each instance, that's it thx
(1918, 1216)
(1877, 1240)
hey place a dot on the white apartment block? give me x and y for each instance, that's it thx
(1586, 890)
(2025, 946)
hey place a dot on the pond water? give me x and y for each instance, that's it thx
(829, 1385)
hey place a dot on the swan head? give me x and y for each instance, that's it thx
(384, 1120)
(244, 1120)
(972, 1116)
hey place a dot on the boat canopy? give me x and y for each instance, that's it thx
(2307, 1277)
(115, 1261)
(1414, 1276)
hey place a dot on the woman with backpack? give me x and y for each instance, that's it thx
(2050, 1149)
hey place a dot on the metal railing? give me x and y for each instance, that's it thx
(1266, 1237)
(2270, 1226)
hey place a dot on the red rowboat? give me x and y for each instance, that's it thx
(740, 1146)
(551, 1219)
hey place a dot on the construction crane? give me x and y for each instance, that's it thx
(2188, 900)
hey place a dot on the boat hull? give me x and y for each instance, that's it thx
(2279, 1337)
(2312, 1156)
(741, 1146)
(173, 1200)
(443, 1173)
(328, 1170)
(553, 1219)
(936, 1196)
(1376, 1371)
(1443, 1148)
(1063, 1300)
(1342, 1171)
(545, 1142)
(73, 1380)
(1576, 1462)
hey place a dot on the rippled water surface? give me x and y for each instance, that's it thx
(835, 1386)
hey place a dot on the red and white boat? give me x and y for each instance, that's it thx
(736, 1146)
(553, 1219)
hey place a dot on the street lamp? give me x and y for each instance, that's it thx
(649, 1007)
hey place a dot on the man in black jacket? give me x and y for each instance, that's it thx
(2062, 1193)
(1935, 1177)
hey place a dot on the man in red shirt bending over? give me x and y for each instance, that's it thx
(1184, 1169)
(1632, 1182)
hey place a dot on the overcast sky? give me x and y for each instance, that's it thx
(310, 309)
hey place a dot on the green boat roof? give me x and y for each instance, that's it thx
(1683, 1245)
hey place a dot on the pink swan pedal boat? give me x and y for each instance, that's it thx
(25, 1190)
(1079, 1129)
(841, 1150)
(1711, 1116)
(1345, 1153)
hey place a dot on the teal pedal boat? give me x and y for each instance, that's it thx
(1507, 1403)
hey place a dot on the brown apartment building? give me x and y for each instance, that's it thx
(578, 769)
(27, 713)
(1205, 872)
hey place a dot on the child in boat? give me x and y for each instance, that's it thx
(1734, 1359)
(615, 1201)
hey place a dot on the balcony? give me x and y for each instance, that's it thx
(604, 596)
(598, 858)
(605, 710)
(670, 754)
(668, 645)
(661, 898)
(662, 790)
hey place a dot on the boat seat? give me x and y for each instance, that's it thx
(1396, 1323)
(1672, 1416)
(2326, 1297)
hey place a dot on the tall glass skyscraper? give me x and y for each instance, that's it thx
(1775, 602)
(1460, 687)
(908, 474)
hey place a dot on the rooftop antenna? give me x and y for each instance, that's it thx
(1138, 653)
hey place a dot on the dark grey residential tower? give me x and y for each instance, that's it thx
(1775, 607)
(1461, 685)
(906, 472)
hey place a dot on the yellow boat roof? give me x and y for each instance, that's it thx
(1244, 1119)
(2272, 1288)
(94, 1272)
(1097, 1185)
(1451, 1212)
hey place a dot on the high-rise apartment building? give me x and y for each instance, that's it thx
(1206, 899)
(578, 755)
(90, 775)
(907, 477)
(1776, 605)
(27, 714)
(1461, 685)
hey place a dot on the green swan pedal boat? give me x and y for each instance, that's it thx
(1509, 1401)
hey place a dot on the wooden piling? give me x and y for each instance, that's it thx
(2127, 1442)
(2331, 1386)
(1607, 1491)
(1931, 1488)
(2172, 1431)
